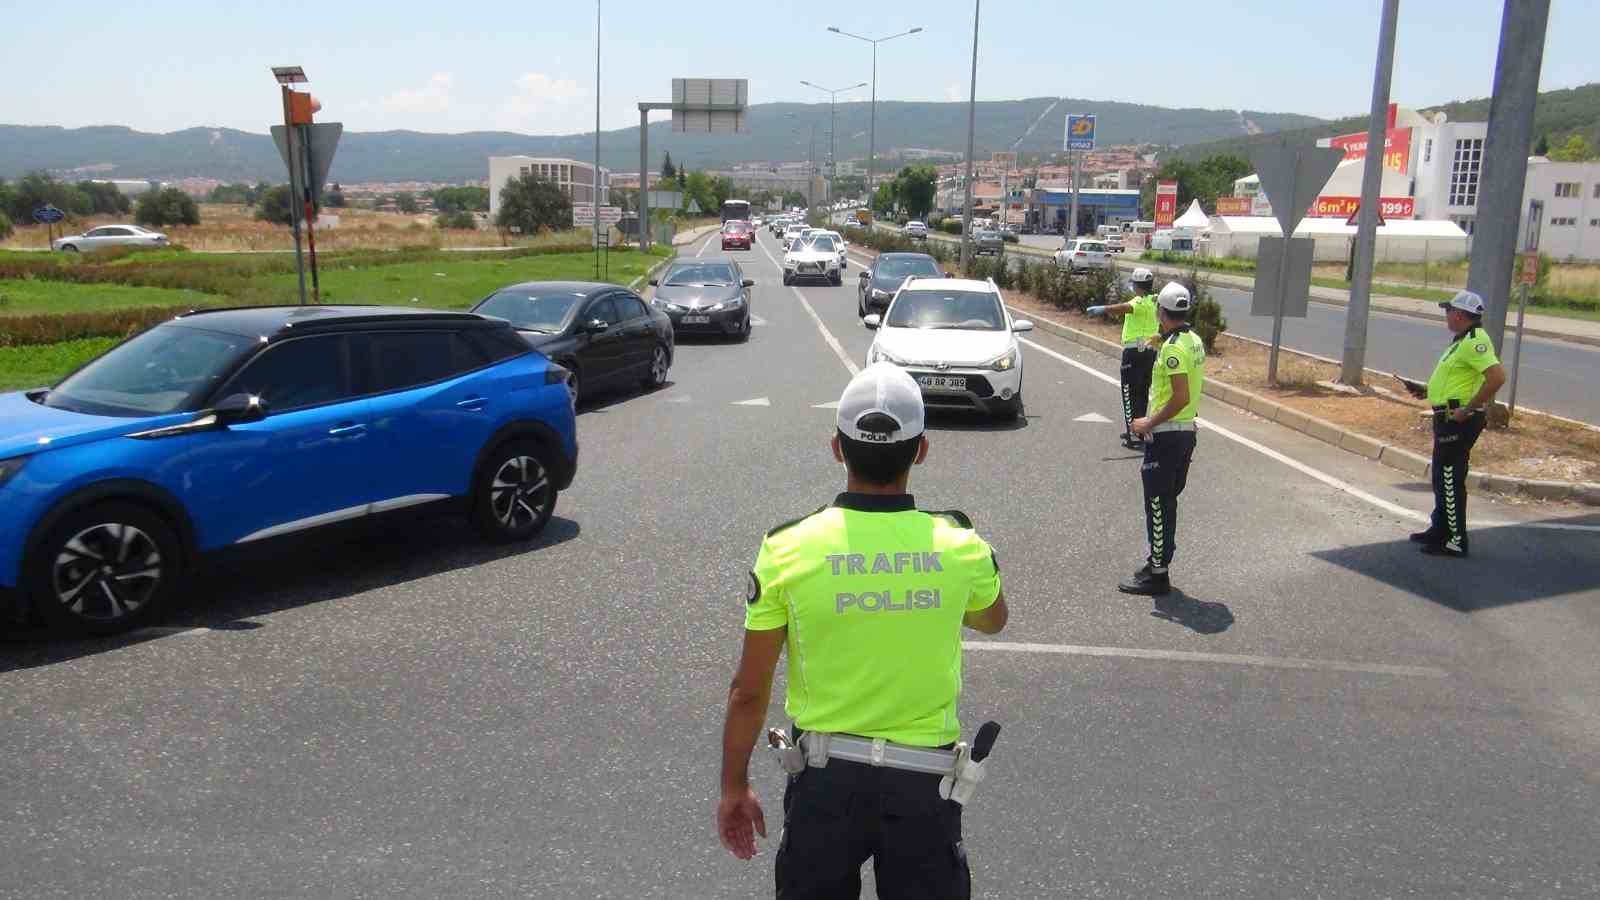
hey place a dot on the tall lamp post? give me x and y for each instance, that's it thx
(872, 128)
(833, 96)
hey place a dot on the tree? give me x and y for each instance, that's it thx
(232, 193)
(406, 202)
(793, 198)
(914, 189)
(5, 226)
(1205, 180)
(668, 173)
(531, 203)
(884, 200)
(1542, 147)
(37, 189)
(461, 199)
(105, 199)
(334, 198)
(273, 205)
(459, 219)
(168, 206)
(1576, 149)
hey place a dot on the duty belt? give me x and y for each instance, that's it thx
(820, 748)
(1186, 425)
(1132, 345)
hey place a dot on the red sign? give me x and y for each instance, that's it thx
(1345, 207)
(1530, 268)
(1233, 206)
(1166, 203)
(1396, 148)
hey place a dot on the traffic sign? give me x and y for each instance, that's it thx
(48, 215)
(1080, 133)
(583, 215)
(1530, 268)
(321, 139)
(1355, 215)
(1292, 177)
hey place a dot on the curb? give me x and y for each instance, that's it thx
(1398, 458)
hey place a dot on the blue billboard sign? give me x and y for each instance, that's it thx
(48, 215)
(1080, 133)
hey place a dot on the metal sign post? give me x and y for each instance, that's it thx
(291, 148)
(1530, 277)
(711, 105)
(1291, 177)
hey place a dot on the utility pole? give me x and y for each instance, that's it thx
(972, 128)
(1355, 322)
(594, 179)
(1505, 158)
(872, 127)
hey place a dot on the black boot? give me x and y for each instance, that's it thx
(1435, 547)
(1146, 583)
(1425, 537)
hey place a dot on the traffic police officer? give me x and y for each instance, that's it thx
(869, 595)
(1139, 326)
(1462, 386)
(1176, 384)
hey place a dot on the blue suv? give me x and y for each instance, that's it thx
(228, 428)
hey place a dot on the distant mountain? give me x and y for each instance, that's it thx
(1558, 113)
(778, 131)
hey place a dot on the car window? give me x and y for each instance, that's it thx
(97, 232)
(406, 359)
(823, 243)
(1092, 247)
(533, 310)
(496, 344)
(117, 232)
(163, 370)
(629, 306)
(604, 310)
(936, 309)
(296, 374)
(700, 273)
(900, 266)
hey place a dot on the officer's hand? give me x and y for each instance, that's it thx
(1460, 414)
(1142, 426)
(739, 820)
(1096, 311)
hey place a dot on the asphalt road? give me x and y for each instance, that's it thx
(1322, 712)
(1556, 376)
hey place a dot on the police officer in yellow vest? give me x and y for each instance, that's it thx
(1138, 354)
(1462, 386)
(1177, 380)
(869, 596)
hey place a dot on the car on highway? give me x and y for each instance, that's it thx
(737, 235)
(958, 340)
(229, 429)
(839, 242)
(879, 281)
(1115, 244)
(606, 336)
(916, 230)
(107, 236)
(705, 295)
(816, 259)
(1081, 254)
(988, 241)
(792, 233)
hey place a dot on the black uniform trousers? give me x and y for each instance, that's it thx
(1452, 445)
(1136, 365)
(836, 818)
(1165, 472)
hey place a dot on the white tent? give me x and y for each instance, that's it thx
(1194, 217)
(1401, 240)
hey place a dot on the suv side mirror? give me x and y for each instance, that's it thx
(872, 321)
(655, 282)
(749, 282)
(595, 326)
(1021, 325)
(237, 409)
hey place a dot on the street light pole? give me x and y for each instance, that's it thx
(872, 127)
(833, 161)
(1355, 323)
(972, 129)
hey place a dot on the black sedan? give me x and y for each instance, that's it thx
(606, 335)
(881, 279)
(705, 295)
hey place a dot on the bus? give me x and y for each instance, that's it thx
(736, 209)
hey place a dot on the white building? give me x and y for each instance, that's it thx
(1571, 195)
(576, 179)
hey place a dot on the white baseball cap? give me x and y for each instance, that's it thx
(883, 395)
(1174, 298)
(1142, 274)
(1467, 302)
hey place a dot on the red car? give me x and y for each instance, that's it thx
(737, 235)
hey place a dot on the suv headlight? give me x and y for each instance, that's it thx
(878, 354)
(10, 467)
(1002, 363)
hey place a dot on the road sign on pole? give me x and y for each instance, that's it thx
(1530, 277)
(320, 141)
(48, 215)
(1080, 133)
(1292, 177)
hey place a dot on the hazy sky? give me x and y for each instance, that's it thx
(463, 65)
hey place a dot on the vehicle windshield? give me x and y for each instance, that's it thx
(901, 266)
(532, 310)
(161, 371)
(823, 242)
(971, 310)
(735, 228)
(715, 274)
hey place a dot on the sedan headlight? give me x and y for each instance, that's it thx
(880, 295)
(878, 354)
(1003, 363)
(10, 467)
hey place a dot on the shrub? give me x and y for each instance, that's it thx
(5, 226)
(951, 226)
(460, 220)
(52, 328)
(1207, 319)
(168, 206)
(1003, 275)
(273, 206)
(1008, 237)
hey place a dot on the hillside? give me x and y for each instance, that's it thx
(778, 131)
(1558, 113)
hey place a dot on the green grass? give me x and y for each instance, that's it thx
(45, 364)
(20, 298)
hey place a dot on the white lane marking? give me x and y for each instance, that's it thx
(1232, 659)
(1319, 475)
(838, 348)
(831, 404)
(683, 398)
(758, 401)
(1093, 417)
(703, 247)
(758, 322)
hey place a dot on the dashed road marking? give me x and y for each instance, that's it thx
(1093, 417)
(1230, 659)
(757, 401)
(838, 348)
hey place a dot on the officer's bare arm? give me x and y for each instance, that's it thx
(991, 619)
(1180, 399)
(1493, 378)
(747, 703)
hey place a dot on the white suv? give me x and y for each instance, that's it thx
(915, 229)
(1083, 253)
(958, 340)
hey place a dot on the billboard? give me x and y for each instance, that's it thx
(1233, 206)
(1332, 207)
(1396, 148)
(710, 105)
(1166, 203)
(1080, 133)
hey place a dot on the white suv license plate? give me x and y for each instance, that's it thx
(942, 382)
(696, 320)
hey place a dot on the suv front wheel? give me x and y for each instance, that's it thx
(103, 569)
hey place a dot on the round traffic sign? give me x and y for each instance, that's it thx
(48, 215)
